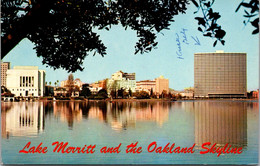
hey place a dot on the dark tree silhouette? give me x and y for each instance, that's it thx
(208, 22)
(251, 12)
(64, 31)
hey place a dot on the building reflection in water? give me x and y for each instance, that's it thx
(215, 122)
(68, 111)
(119, 115)
(123, 115)
(22, 119)
(221, 123)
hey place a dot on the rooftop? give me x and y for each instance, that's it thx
(26, 67)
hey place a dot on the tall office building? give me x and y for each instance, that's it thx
(4, 67)
(220, 75)
(26, 81)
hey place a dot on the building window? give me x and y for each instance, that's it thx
(21, 80)
(32, 81)
(29, 81)
(26, 83)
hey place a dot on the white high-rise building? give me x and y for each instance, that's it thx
(26, 81)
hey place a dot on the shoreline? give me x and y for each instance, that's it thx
(134, 100)
(153, 100)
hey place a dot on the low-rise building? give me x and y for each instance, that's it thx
(94, 87)
(146, 85)
(255, 94)
(121, 80)
(76, 83)
(26, 81)
(60, 91)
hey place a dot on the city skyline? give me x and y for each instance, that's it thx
(161, 61)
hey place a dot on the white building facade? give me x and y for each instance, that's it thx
(26, 81)
(121, 80)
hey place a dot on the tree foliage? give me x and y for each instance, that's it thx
(208, 21)
(63, 30)
(85, 92)
(141, 95)
(66, 31)
(251, 12)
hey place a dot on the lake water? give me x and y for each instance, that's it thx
(79, 123)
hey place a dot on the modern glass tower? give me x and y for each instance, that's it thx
(220, 75)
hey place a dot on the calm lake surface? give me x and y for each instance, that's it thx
(108, 124)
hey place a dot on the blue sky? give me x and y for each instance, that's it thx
(163, 60)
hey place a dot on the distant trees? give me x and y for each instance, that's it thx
(120, 93)
(102, 94)
(4, 89)
(141, 95)
(164, 94)
(6, 92)
(130, 92)
(56, 83)
(85, 92)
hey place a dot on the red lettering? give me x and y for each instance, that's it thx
(172, 148)
(111, 149)
(191, 149)
(151, 144)
(158, 150)
(26, 146)
(239, 150)
(203, 146)
(60, 146)
(184, 150)
(91, 148)
(166, 149)
(133, 149)
(177, 150)
(219, 150)
(39, 149)
(213, 149)
(64, 149)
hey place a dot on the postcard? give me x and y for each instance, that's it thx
(130, 82)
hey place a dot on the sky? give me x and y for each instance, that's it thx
(161, 61)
